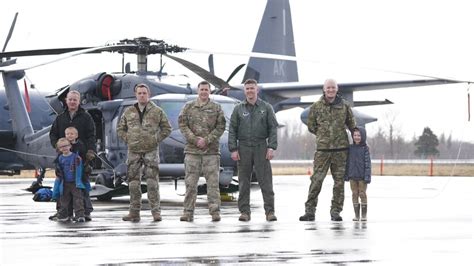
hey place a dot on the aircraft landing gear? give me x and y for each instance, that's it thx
(40, 175)
(226, 191)
(105, 179)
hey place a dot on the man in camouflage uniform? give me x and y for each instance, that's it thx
(252, 140)
(142, 127)
(328, 119)
(202, 123)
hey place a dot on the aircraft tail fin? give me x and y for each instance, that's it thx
(275, 36)
(21, 122)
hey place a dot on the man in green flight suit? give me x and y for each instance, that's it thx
(252, 141)
(328, 119)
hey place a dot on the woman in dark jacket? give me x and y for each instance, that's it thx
(358, 172)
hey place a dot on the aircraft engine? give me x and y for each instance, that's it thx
(98, 87)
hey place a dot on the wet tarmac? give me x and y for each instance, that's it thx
(412, 220)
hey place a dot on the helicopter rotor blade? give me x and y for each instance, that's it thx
(12, 27)
(310, 60)
(53, 51)
(210, 61)
(57, 51)
(213, 79)
(236, 70)
(72, 52)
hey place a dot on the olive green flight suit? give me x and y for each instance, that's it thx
(253, 130)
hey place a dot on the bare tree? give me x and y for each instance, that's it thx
(393, 129)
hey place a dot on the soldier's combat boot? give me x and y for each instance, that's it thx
(307, 217)
(271, 217)
(244, 217)
(357, 212)
(216, 217)
(187, 217)
(132, 216)
(364, 212)
(156, 216)
(336, 217)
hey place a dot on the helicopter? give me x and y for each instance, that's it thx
(105, 95)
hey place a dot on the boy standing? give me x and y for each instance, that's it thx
(68, 184)
(358, 172)
(77, 146)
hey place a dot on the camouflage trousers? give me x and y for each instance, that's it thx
(324, 160)
(253, 158)
(207, 166)
(359, 189)
(145, 164)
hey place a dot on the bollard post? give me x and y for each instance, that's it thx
(431, 165)
(381, 165)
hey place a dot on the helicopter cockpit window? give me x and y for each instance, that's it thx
(172, 110)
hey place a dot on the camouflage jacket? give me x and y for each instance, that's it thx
(206, 121)
(328, 122)
(253, 126)
(145, 135)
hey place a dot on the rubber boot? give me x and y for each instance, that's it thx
(357, 212)
(132, 216)
(364, 212)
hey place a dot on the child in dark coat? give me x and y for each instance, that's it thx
(358, 172)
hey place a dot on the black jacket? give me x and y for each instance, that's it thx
(82, 121)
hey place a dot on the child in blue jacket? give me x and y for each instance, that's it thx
(69, 184)
(77, 146)
(358, 172)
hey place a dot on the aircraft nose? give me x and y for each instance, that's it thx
(177, 136)
(226, 160)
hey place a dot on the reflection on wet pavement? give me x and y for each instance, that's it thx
(407, 225)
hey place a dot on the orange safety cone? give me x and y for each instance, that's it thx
(309, 171)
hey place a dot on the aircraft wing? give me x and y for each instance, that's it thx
(296, 89)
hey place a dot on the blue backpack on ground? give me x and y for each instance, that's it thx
(43, 194)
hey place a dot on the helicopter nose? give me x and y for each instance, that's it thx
(177, 136)
(226, 160)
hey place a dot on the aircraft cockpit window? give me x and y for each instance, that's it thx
(172, 110)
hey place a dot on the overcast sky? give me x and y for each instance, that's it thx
(423, 38)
